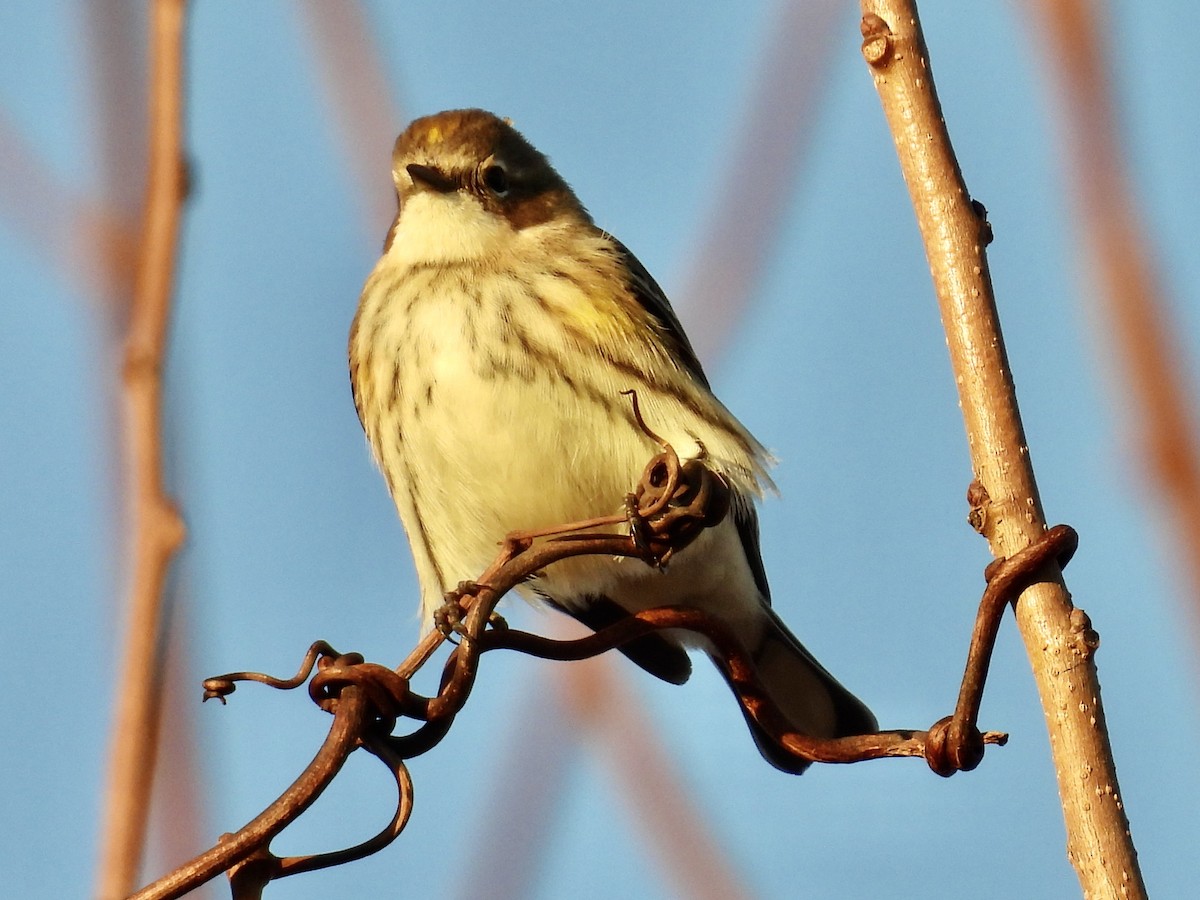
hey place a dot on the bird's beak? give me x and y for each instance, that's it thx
(431, 178)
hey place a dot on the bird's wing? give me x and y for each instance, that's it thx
(655, 302)
(745, 517)
(354, 392)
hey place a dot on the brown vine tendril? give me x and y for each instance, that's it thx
(672, 503)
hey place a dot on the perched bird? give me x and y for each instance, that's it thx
(490, 358)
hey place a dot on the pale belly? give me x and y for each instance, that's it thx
(499, 429)
(498, 458)
(493, 454)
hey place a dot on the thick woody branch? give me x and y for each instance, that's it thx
(157, 527)
(1006, 507)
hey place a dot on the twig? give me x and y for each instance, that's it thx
(673, 502)
(349, 720)
(1007, 508)
(695, 498)
(852, 749)
(157, 527)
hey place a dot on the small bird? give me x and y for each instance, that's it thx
(491, 357)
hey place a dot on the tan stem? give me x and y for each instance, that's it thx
(1099, 844)
(157, 527)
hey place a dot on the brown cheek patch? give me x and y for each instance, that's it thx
(529, 211)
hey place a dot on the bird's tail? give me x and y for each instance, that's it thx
(810, 699)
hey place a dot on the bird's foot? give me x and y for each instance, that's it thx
(448, 618)
(640, 534)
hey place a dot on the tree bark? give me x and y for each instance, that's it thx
(1006, 508)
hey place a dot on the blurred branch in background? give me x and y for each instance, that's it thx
(117, 47)
(1006, 507)
(613, 722)
(157, 529)
(758, 178)
(82, 237)
(533, 764)
(362, 106)
(90, 238)
(593, 710)
(179, 806)
(1072, 35)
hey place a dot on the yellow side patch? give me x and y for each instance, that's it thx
(599, 314)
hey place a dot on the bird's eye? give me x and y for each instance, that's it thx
(496, 180)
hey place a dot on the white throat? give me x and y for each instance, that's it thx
(451, 227)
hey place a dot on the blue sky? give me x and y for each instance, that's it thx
(839, 366)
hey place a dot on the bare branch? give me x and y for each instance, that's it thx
(349, 721)
(695, 498)
(1005, 502)
(157, 527)
(672, 503)
(117, 82)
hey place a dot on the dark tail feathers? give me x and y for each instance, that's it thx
(810, 699)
